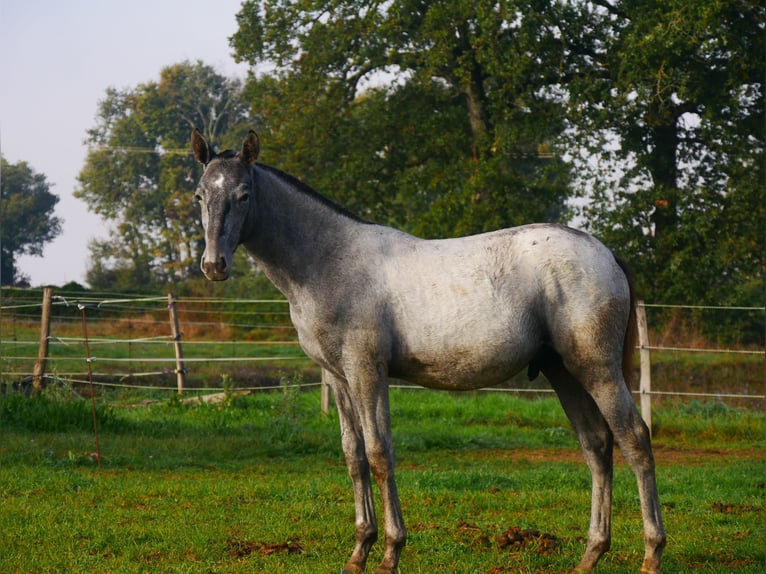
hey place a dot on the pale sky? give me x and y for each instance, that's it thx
(57, 58)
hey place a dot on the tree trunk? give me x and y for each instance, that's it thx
(662, 120)
(476, 118)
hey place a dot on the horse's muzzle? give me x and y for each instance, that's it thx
(217, 270)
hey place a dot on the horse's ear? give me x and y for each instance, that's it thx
(251, 147)
(200, 147)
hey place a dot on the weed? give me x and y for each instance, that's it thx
(286, 421)
(228, 386)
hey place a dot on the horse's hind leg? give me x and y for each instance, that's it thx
(607, 387)
(596, 444)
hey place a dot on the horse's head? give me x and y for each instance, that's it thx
(224, 193)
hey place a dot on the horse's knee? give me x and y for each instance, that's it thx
(598, 450)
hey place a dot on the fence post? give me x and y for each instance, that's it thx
(38, 374)
(180, 371)
(326, 391)
(645, 382)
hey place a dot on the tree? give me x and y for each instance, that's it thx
(440, 117)
(27, 222)
(667, 97)
(426, 115)
(139, 173)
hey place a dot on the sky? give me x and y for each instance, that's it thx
(57, 59)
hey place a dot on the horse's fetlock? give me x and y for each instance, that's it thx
(366, 533)
(397, 539)
(600, 544)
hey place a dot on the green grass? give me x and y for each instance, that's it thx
(259, 485)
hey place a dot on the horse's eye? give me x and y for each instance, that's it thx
(243, 197)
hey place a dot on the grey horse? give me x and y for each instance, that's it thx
(370, 302)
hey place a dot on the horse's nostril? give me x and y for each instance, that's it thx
(215, 268)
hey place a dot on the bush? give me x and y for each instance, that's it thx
(46, 414)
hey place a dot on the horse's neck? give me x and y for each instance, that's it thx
(293, 234)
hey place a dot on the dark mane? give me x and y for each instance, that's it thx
(307, 190)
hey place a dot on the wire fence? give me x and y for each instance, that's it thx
(250, 344)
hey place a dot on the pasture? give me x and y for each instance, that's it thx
(490, 483)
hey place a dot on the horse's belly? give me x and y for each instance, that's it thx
(461, 369)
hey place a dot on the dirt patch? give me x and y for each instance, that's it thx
(662, 455)
(513, 538)
(691, 456)
(516, 538)
(728, 508)
(243, 548)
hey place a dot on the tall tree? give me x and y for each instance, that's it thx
(426, 115)
(139, 174)
(438, 116)
(667, 96)
(27, 220)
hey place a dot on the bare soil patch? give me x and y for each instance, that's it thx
(662, 454)
(242, 548)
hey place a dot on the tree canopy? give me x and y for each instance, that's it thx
(140, 176)
(425, 115)
(667, 97)
(27, 220)
(451, 117)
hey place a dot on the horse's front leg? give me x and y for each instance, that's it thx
(376, 425)
(359, 470)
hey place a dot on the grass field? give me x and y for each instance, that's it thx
(258, 484)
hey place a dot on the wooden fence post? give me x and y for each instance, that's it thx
(326, 392)
(645, 383)
(180, 370)
(38, 374)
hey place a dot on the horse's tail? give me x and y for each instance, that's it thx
(631, 333)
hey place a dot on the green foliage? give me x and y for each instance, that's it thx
(667, 97)
(27, 222)
(658, 107)
(139, 174)
(453, 117)
(49, 413)
(693, 420)
(422, 116)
